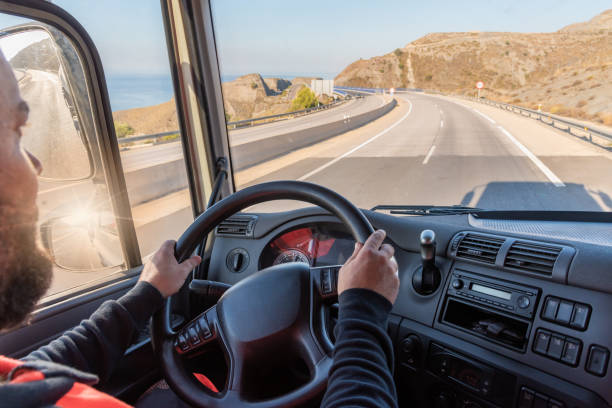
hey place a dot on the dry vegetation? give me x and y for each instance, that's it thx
(568, 72)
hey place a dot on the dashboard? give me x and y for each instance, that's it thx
(320, 244)
(520, 317)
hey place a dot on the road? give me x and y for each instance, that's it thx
(138, 158)
(442, 151)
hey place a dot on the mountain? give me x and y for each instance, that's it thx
(40, 55)
(568, 72)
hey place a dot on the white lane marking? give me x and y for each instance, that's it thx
(483, 115)
(353, 150)
(441, 123)
(429, 154)
(547, 172)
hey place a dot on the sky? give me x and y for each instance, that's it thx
(322, 37)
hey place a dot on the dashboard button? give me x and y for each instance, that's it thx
(555, 349)
(541, 401)
(550, 308)
(541, 342)
(457, 284)
(597, 362)
(571, 352)
(580, 317)
(554, 404)
(523, 302)
(526, 398)
(564, 314)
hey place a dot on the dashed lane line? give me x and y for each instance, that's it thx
(353, 150)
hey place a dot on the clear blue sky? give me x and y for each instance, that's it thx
(286, 37)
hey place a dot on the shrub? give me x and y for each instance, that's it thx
(590, 77)
(507, 42)
(428, 77)
(558, 109)
(170, 137)
(254, 85)
(401, 66)
(305, 99)
(398, 53)
(123, 129)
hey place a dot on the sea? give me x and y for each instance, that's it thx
(136, 91)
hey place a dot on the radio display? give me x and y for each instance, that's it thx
(490, 291)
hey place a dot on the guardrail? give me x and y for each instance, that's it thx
(551, 120)
(240, 123)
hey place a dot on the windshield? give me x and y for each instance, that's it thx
(504, 107)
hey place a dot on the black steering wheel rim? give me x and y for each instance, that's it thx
(183, 383)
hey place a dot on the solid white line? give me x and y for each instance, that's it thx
(429, 154)
(547, 172)
(441, 123)
(353, 150)
(484, 116)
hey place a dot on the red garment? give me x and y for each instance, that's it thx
(80, 395)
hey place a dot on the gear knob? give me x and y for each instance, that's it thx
(428, 246)
(426, 278)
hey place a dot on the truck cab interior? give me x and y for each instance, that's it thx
(496, 308)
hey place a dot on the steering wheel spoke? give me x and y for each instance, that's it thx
(200, 331)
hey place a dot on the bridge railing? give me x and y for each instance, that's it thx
(233, 125)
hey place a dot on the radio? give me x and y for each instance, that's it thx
(507, 297)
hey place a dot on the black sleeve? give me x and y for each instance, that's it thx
(361, 374)
(98, 343)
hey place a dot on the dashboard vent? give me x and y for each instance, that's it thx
(479, 248)
(532, 257)
(237, 226)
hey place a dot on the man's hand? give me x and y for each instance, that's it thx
(165, 273)
(371, 266)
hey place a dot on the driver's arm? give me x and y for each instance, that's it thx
(98, 343)
(361, 374)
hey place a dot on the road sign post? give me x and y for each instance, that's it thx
(479, 85)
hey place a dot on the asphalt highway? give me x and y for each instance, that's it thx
(443, 151)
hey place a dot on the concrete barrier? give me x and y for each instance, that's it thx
(250, 154)
(150, 183)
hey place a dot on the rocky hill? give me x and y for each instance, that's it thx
(568, 72)
(252, 96)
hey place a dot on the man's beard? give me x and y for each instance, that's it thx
(25, 268)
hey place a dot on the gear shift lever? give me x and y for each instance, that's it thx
(426, 278)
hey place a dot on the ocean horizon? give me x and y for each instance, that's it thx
(137, 91)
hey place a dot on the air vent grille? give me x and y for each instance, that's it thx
(532, 257)
(237, 226)
(479, 248)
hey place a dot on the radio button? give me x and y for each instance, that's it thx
(523, 302)
(541, 342)
(457, 284)
(564, 314)
(550, 308)
(556, 347)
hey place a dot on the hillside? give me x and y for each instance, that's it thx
(569, 71)
(40, 55)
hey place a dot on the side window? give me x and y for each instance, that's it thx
(134, 56)
(76, 220)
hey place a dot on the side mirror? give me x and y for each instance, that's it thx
(51, 80)
(84, 241)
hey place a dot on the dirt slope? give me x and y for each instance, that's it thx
(568, 72)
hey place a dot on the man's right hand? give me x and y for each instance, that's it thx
(372, 266)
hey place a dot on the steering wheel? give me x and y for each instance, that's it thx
(272, 311)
